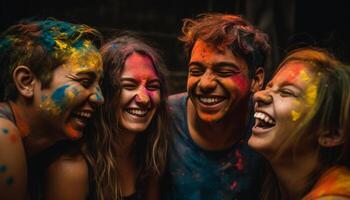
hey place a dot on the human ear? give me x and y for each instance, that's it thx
(258, 80)
(331, 140)
(24, 80)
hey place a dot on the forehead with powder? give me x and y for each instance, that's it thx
(300, 73)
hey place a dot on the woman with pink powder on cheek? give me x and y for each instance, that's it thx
(130, 150)
(123, 152)
(302, 127)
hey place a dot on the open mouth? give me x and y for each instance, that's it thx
(81, 118)
(263, 120)
(210, 100)
(138, 112)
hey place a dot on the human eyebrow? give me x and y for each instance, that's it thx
(156, 80)
(196, 63)
(128, 79)
(227, 64)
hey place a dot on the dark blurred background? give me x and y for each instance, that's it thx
(289, 23)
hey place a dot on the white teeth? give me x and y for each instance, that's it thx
(138, 112)
(264, 117)
(210, 99)
(83, 114)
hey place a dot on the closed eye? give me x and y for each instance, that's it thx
(226, 73)
(129, 86)
(195, 72)
(153, 86)
(196, 69)
(86, 82)
(287, 93)
(225, 69)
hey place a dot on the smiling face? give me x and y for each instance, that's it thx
(282, 106)
(140, 93)
(217, 81)
(70, 99)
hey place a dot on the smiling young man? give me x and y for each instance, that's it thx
(50, 72)
(208, 155)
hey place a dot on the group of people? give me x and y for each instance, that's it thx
(81, 118)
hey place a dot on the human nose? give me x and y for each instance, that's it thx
(96, 97)
(142, 96)
(207, 82)
(262, 97)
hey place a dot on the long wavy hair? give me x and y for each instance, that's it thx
(150, 147)
(330, 114)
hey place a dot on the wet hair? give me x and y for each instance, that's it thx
(150, 147)
(232, 31)
(329, 114)
(42, 46)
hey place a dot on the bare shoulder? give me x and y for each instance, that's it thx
(70, 166)
(333, 198)
(13, 165)
(65, 173)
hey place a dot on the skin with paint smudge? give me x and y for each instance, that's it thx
(140, 94)
(283, 103)
(217, 81)
(68, 103)
(50, 71)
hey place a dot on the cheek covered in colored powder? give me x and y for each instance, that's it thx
(311, 94)
(242, 83)
(60, 99)
(295, 115)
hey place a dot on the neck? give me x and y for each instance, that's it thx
(127, 169)
(217, 135)
(126, 145)
(293, 173)
(33, 141)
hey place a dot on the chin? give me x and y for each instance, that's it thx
(210, 118)
(73, 134)
(259, 146)
(136, 128)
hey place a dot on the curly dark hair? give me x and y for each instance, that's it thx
(233, 31)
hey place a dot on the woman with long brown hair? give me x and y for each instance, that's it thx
(302, 127)
(123, 152)
(129, 149)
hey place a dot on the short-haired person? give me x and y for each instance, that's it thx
(302, 127)
(49, 86)
(208, 154)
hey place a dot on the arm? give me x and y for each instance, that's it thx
(333, 198)
(13, 165)
(67, 178)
